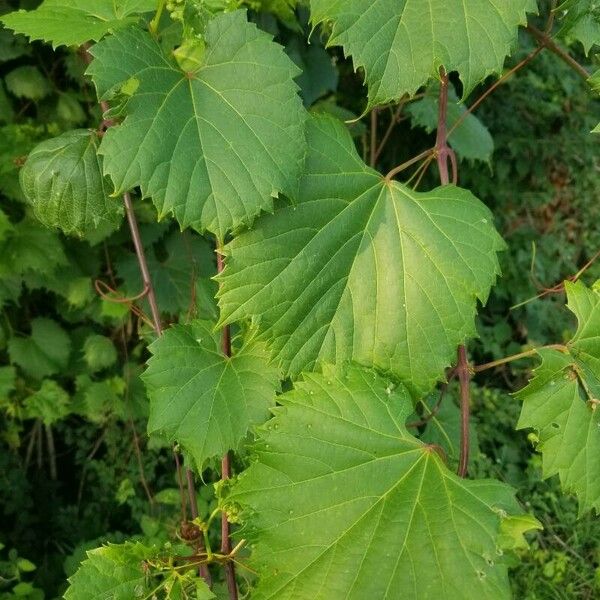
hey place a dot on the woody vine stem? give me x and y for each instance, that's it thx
(444, 155)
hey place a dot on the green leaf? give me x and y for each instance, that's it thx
(202, 399)
(363, 269)
(98, 401)
(212, 147)
(99, 352)
(31, 247)
(117, 572)
(45, 352)
(74, 22)
(180, 273)
(8, 376)
(68, 110)
(319, 75)
(12, 46)
(561, 403)
(580, 22)
(471, 139)
(401, 44)
(444, 428)
(342, 502)
(512, 531)
(25, 565)
(27, 82)
(63, 180)
(50, 403)
(284, 9)
(126, 571)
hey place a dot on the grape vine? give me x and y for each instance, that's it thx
(330, 298)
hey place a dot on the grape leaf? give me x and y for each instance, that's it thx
(212, 147)
(342, 502)
(202, 399)
(362, 268)
(99, 352)
(319, 75)
(12, 46)
(63, 180)
(45, 352)
(179, 276)
(27, 82)
(74, 22)
(401, 44)
(580, 22)
(471, 139)
(50, 403)
(98, 401)
(561, 403)
(31, 247)
(117, 572)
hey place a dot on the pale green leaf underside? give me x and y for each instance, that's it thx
(342, 502)
(402, 43)
(201, 399)
(559, 404)
(74, 22)
(63, 180)
(363, 269)
(213, 147)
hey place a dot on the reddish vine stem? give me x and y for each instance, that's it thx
(443, 153)
(226, 467)
(545, 41)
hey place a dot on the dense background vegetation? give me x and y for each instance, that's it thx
(76, 465)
